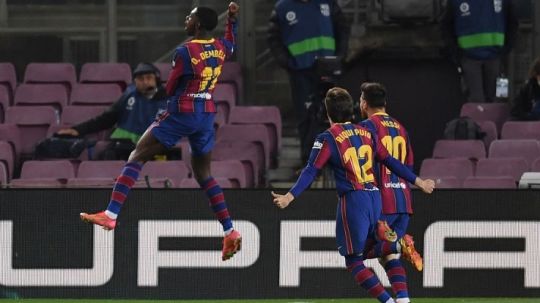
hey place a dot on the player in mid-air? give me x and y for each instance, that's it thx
(350, 151)
(196, 67)
(395, 191)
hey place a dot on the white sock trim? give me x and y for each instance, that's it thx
(111, 215)
(229, 231)
(390, 301)
(403, 300)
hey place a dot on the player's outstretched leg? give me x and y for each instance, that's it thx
(232, 242)
(367, 279)
(404, 246)
(410, 253)
(398, 278)
(146, 148)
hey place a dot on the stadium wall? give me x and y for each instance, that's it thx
(167, 246)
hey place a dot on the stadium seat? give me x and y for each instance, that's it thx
(500, 182)
(160, 171)
(490, 129)
(42, 94)
(63, 73)
(459, 168)
(98, 174)
(4, 179)
(233, 170)
(267, 115)
(33, 123)
(95, 94)
(535, 167)
(256, 133)
(232, 73)
(471, 149)
(164, 70)
(119, 73)
(192, 183)
(11, 134)
(225, 98)
(248, 153)
(521, 130)
(445, 182)
(7, 157)
(72, 115)
(4, 102)
(527, 149)
(8, 77)
(44, 174)
(496, 112)
(513, 167)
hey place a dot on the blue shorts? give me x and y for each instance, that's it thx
(397, 222)
(356, 220)
(169, 128)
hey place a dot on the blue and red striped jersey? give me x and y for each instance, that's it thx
(196, 67)
(395, 191)
(350, 151)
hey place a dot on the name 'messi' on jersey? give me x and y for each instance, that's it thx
(390, 124)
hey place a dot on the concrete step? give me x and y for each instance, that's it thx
(290, 142)
(281, 185)
(281, 174)
(289, 153)
(290, 162)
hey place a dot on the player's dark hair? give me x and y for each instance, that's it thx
(339, 105)
(208, 17)
(374, 94)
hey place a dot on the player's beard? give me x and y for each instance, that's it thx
(150, 92)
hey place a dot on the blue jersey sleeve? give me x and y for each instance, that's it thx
(320, 154)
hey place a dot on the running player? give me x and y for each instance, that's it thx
(190, 113)
(350, 149)
(395, 191)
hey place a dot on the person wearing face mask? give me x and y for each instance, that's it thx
(526, 105)
(136, 109)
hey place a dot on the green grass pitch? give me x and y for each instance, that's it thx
(423, 300)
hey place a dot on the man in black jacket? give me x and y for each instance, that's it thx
(131, 114)
(526, 105)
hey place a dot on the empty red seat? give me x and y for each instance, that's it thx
(164, 70)
(72, 115)
(95, 94)
(4, 102)
(490, 129)
(521, 130)
(119, 73)
(496, 112)
(232, 170)
(225, 98)
(44, 174)
(55, 95)
(192, 183)
(270, 116)
(162, 170)
(32, 122)
(231, 72)
(7, 157)
(256, 133)
(248, 153)
(8, 77)
(445, 182)
(527, 149)
(98, 174)
(513, 167)
(11, 134)
(439, 168)
(471, 149)
(63, 73)
(500, 182)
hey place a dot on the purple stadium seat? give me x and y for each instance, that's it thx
(33, 123)
(192, 183)
(63, 73)
(160, 171)
(490, 128)
(4, 102)
(471, 149)
(233, 170)
(527, 149)
(248, 153)
(513, 167)
(95, 94)
(225, 98)
(256, 133)
(440, 168)
(267, 115)
(219, 120)
(535, 167)
(500, 182)
(164, 70)
(8, 77)
(521, 130)
(7, 157)
(44, 174)
(4, 179)
(232, 73)
(11, 134)
(445, 182)
(119, 73)
(496, 112)
(42, 94)
(97, 174)
(72, 115)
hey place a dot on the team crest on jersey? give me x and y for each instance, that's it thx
(130, 103)
(325, 9)
(465, 9)
(317, 145)
(291, 17)
(497, 4)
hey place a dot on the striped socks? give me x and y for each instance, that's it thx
(122, 186)
(367, 279)
(217, 203)
(396, 274)
(383, 249)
